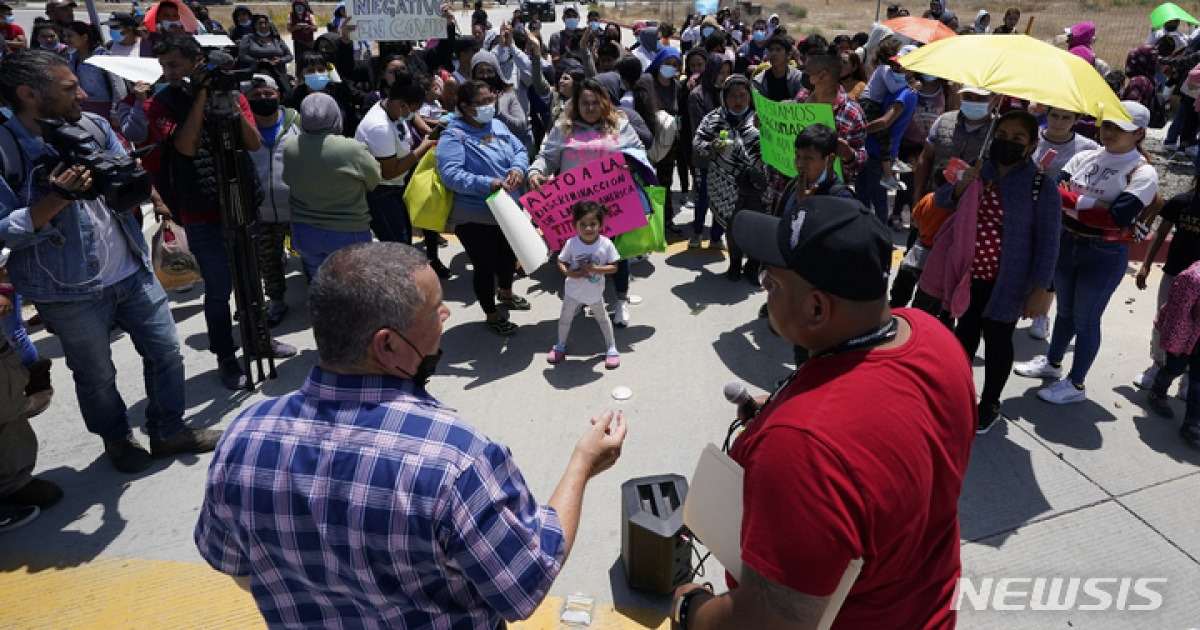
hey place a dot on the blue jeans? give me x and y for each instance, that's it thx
(139, 306)
(13, 328)
(389, 214)
(208, 246)
(701, 208)
(1183, 125)
(1086, 276)
(316, 244)
(870, 192)
(1177, 364)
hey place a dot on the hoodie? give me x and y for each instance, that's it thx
(1081, 34)
(979, 27)
(508, 105)
(469, 158)
(648, 47)
(705, 97)
(616, 89)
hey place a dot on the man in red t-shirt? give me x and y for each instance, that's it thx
(14, 35)
(859, 455)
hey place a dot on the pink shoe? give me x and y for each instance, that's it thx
(554, 356)
(612, 361)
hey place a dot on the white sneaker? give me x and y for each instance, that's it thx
(1062, 392)
(901, 167)
(621, 314)
(694, 241)
(1145, 380)
(893, 184)
(1038, 367)
(716, 243)
(1040, 328)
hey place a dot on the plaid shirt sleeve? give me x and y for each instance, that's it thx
(852, 127)
(216, 543)
(506, 544)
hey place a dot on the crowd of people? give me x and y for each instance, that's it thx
(1009, 206)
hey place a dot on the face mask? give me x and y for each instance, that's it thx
(426, 367)
(667, 72)
(571, 23)
(11, 19)
(264, 106)
(298, 10)
(595, 26)
(166, 26)
(975, 111)
(244, 23)
(410, 116)
(760, 36)
(897, 79)
(115, 34)
(6, 112)
(263, 33)
(485, 114)
(316, 81)
(821, 178)
(158, 87)
(1007, 152)
(50, 47)
(929, 78)
(706, 31)
(739, 113)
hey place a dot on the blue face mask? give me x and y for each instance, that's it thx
(115, 34)
(929, 78)
(741, 113)
(706, 31)
(316, 81)
(975, 111)
(7, 112)
(158, 87)
(667, 72)
(409, 117)
(244, 23)
(485, 114)
(595, 26)
(821, 179)
(760, 36)
(571, 23)
(11, 19)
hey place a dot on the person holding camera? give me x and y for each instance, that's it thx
(87, 265)
(187, 180)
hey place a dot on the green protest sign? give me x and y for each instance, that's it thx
(780, 123)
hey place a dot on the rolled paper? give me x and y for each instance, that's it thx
(518, 228)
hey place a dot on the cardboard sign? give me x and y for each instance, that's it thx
(781, 123)
(396, 20)
(605, 181)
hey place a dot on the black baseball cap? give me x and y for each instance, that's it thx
(122, 19)
(836, 244)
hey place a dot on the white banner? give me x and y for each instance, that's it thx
(396, 20)
(145, 69)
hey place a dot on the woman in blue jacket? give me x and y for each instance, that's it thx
(476, 156)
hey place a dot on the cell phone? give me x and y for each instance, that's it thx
(436, 132)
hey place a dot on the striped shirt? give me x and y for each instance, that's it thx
(362, 502)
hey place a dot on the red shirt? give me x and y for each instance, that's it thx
(829, 479)
(988, 231)
(11, 32)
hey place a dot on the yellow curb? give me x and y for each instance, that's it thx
(131, 593)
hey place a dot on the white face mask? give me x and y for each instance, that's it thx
(166, 26)
(485, 114)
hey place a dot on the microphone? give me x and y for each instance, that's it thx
(735, 392)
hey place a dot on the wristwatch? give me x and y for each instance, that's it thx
(680, 614)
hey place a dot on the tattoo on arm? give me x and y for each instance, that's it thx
(788, 605)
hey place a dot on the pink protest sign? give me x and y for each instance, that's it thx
(605, 181)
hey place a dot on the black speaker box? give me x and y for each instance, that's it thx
(656, 554)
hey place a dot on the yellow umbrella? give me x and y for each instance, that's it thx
(1023, 67)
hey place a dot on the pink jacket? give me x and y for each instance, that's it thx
(947, 274)
(1178, 320)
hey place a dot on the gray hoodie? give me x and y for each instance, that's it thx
(508, 106)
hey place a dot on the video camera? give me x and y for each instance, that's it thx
(223, 73)
(118, 177)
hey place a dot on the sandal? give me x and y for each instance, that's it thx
(502, 327)
(513, 302)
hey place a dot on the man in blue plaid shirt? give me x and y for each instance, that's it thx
(360, 501)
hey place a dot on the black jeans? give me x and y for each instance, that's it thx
(998, 336)
(492, 259)
(664, 170)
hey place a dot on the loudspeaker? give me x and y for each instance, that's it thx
(656, 554)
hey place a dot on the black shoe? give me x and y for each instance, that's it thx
(762, 311)
(37, 492)
(513, 302)
(14, 517)
(1190, 432)
(1160, 405)
(276, 309)
(186, 441)
(128, 456)
(441, 241)
(674, 229)
(230, 372)
(39, 376)
(734, 273)
(989, 413)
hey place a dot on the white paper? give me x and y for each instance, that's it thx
(144, 69)
(210, 40)
(713, 508)
(518, 228)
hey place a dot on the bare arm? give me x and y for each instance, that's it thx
(1160, 237)
(757, 603)
(921, 177)
(596, 451)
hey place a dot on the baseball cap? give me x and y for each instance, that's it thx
(904, 50)
(836, 244)
(1139, 114)
(54, 4)
(970, 89)
(259, 80)
(122, 19)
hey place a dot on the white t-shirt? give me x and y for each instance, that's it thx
(589, 290)
(1066, 150)
(121, 50)
(1100, 176)
(116, 259)
(385, 138)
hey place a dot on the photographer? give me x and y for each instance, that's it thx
(188, 182)
(87, 265)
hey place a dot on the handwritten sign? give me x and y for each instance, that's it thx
(396, 20)
(781, 123)
(605, 181)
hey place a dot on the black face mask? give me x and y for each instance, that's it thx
(806, 82)
(425, 368)
(1007, 152)
(264, 106)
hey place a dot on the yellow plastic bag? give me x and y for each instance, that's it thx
(427, 198)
